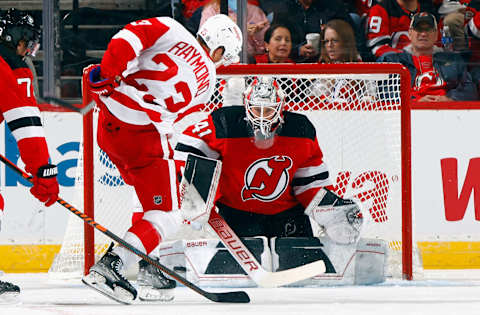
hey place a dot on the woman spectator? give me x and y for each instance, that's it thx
(338, 44)
(278, 46)
(257, 23)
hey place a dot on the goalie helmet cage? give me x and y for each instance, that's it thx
(361, 112)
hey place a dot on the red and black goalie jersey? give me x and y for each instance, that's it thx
(264, 181)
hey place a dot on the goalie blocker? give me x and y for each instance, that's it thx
(208, 262)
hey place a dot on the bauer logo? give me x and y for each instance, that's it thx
(266, 179)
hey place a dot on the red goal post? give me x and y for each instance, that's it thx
(355, 105)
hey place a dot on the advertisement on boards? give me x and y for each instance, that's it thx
(27, 221)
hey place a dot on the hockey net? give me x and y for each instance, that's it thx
(361, 113)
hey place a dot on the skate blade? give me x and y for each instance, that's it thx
(9, 298)
(150, 294)
(98, 282)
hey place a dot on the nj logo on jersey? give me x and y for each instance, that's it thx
(266, 179)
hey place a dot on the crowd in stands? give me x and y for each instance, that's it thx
(437, 40)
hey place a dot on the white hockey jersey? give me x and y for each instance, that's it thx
(166, 73)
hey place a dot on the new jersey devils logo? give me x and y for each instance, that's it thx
(429, 78)
(266, 179)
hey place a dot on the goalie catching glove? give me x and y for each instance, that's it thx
(45, 185)
(341, 219)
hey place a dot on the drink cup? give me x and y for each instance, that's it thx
(314, 40)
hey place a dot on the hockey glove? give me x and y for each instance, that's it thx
(341, 221)
(99, 85)
(45, 185)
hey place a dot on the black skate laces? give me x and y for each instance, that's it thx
(155, 272)
(116, 265)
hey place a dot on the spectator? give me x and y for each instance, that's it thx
(257, 23)
(389, 22)
(363, 6)
(278, 46)
(436, 75)
(338, 44)
(308, 16)
(190, 6)
(473, 28)
(453, 15)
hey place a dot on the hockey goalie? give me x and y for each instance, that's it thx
(274, 191)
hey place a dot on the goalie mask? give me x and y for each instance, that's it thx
(16, 25)
(220, 31)
(264, 101)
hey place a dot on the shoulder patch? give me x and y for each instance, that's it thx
(230, 122)
(297, 126)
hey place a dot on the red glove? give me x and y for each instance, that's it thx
(97, 84)
(45, 185)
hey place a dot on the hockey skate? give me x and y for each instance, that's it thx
(153, 285)
(8, 292)
(106, 277)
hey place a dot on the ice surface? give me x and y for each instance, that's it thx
(443, 296)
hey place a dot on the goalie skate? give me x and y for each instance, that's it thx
(8, 292)
(153, 285)
(106, 277)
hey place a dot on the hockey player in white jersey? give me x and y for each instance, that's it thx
(153, 73)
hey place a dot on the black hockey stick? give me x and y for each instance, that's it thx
(71, 106)
(223, 297)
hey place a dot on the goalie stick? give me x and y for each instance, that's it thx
(200, 181)
(222, 297)
(252, 267)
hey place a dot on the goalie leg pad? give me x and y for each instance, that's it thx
(370, 261)
(223, 262)
(207, 262)
(291, 252)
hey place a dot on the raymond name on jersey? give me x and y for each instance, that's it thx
(166, 73)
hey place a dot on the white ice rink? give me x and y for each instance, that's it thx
(453, 296)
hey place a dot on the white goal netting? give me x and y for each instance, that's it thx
(357, 112)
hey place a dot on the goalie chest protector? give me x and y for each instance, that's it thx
(294, 147)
